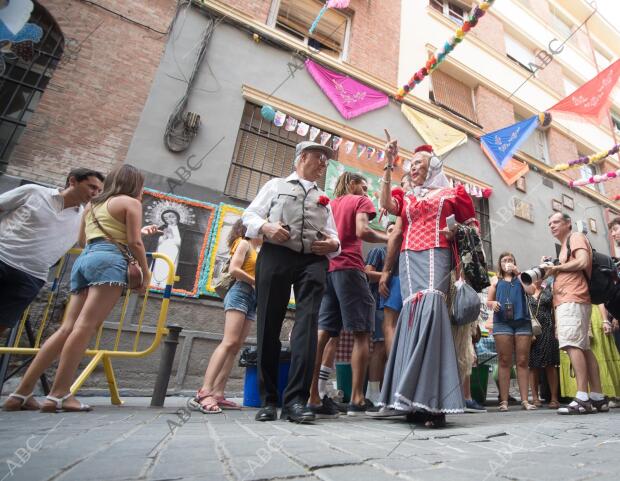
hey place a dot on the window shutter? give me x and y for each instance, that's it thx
(453, 95)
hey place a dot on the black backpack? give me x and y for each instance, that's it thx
(602, 284)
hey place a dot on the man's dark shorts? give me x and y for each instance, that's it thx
(17, 290)
(347, 303)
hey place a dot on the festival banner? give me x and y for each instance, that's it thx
(442, 137)
(591, 101)
(350, 97)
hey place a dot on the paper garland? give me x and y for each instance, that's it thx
(433, 62)
(587, 159)
(595, 179)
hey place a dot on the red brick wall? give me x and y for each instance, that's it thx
(493, 111)
(375, 38)
(562, 150)
(257, 9)
(92, 105)
(491, 31)
(552, 76)
(372, 47)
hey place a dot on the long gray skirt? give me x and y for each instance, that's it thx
(422, 370)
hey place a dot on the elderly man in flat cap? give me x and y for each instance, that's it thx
(294, 217)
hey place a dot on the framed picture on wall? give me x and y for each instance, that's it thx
(592, 225)
(521, 185)
(185, 226)
(523, 210)
(556, 205)
(568, 202)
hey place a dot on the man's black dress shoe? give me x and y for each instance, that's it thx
(297, 413)
(268, 413)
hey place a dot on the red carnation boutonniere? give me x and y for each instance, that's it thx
(323, 200)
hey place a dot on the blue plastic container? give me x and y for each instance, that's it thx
(251, 394)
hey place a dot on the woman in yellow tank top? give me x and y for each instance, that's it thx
(98, 277)
(240, 309)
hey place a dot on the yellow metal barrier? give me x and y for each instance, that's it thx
(99, 355)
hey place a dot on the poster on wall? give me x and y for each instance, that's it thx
(335, 169)
(219, 251)
(185, 226)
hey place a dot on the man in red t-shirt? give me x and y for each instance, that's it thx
(348, 303)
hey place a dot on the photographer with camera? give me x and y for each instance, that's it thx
(573, 308)
(512, 328)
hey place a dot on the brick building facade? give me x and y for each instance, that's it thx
(92, 103)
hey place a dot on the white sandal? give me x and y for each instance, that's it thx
(23, 406)
(58, 407)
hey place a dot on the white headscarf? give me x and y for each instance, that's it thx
(435, 179)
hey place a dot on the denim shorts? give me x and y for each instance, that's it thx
(101, 263)
(520, 327)
(394, 301)
(241, 297)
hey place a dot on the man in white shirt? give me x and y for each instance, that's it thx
(295, 219)
(37, 226)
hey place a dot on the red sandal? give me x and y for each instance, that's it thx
(197, 404)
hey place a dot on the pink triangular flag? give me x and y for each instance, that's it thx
(325, 138)
(336, 141)
(290, 124)
(348, 146)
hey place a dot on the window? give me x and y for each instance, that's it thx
(588, 171)
(536, 144)
(22, 83)
(455, 11)
(453, 95)
(262, 152)
(519, 53)
(295, 17)
(481, 206)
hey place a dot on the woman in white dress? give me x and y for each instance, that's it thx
(170, 244)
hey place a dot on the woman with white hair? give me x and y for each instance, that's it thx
(422, 371)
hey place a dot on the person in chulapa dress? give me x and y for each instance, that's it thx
(422, 372)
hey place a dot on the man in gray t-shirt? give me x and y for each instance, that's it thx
(37, 226)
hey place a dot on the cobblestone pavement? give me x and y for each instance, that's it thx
(135, 442)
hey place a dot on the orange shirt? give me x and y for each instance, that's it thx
(573, 286)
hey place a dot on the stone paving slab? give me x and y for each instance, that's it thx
(137, 443)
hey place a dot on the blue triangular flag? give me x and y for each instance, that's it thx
(502, 144)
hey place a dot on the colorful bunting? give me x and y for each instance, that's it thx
(313, 133)
(591, 101)
(348, 146)
(350, 97)
(325, 138)
(279, 119)
(290, 124)
(434, 61)
(361, 148)
(370, 151)
(336, 141)
(442, 137)
(587, 159)
(595, 179)
(302, 129)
